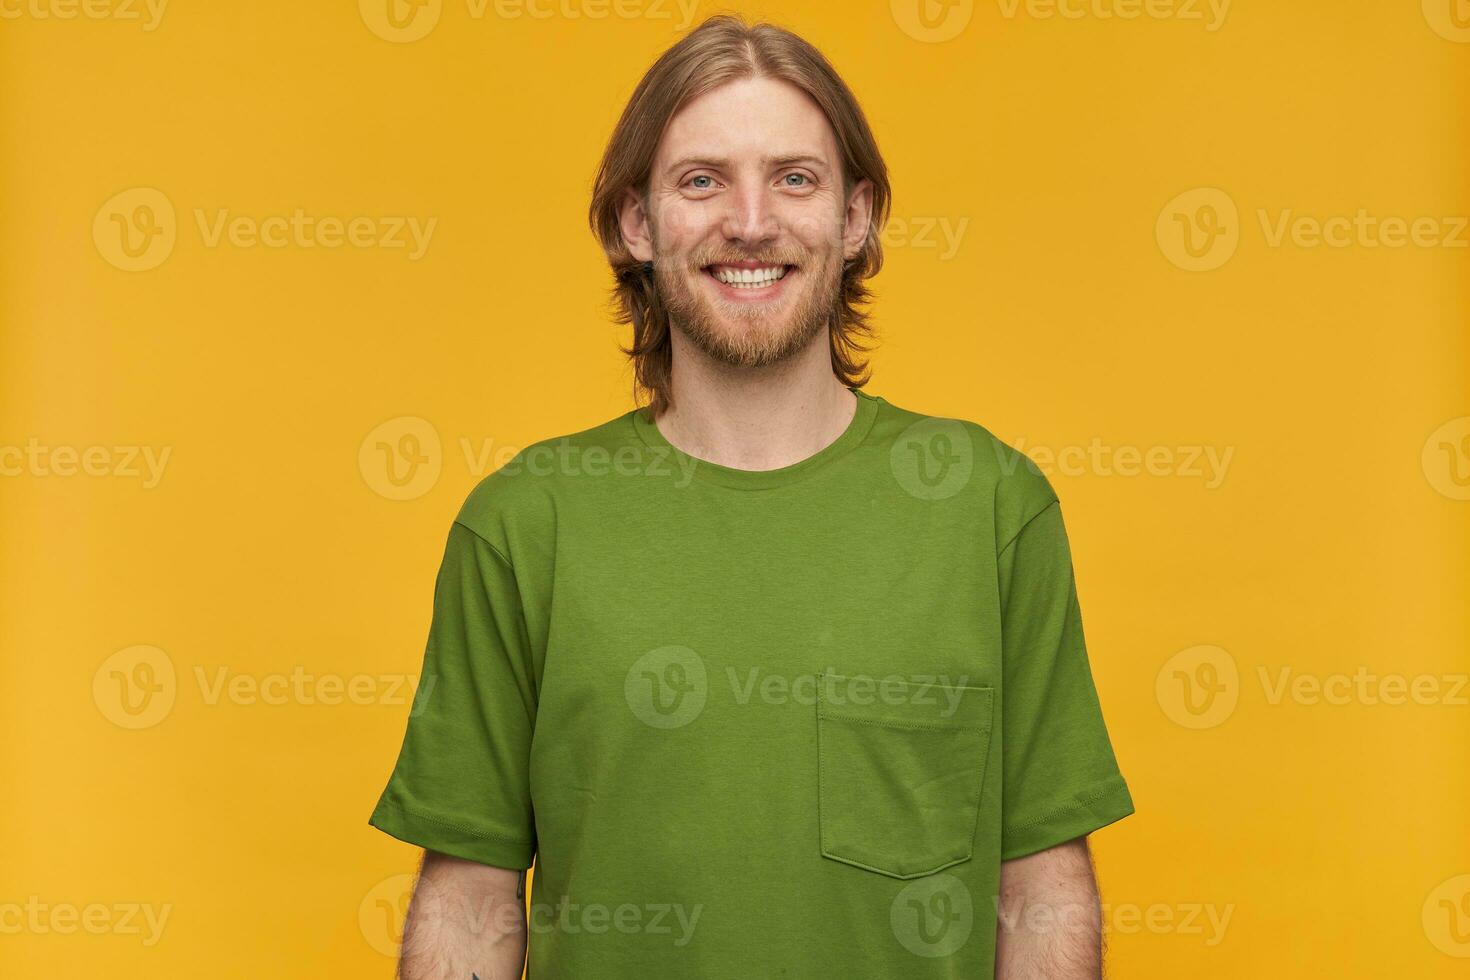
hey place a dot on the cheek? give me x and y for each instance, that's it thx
(682, 225)
(813, 230)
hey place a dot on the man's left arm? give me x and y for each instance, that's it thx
(1050, 918)
(1060, 778)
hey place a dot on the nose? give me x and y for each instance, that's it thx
(750, 218)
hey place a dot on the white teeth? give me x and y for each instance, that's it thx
(748, 278)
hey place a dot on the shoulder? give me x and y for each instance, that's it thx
(523, 493)
(989, 471)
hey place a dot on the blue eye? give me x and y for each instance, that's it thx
(801, 177)
(701, 177)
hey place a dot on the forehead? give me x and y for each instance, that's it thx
(748, 119)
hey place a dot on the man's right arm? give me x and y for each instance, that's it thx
(466, 920)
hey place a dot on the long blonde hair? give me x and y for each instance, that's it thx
(721, 49)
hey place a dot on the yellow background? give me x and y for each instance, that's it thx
(1332, 835)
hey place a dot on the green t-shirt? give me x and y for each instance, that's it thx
(781, 723)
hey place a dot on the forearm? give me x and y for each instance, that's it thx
(465, 921)
(1050, 921)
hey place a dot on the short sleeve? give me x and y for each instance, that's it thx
(461, 785)
(1061, 779)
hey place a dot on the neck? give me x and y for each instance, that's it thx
(756, 418)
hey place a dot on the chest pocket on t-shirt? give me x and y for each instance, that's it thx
(900, 767)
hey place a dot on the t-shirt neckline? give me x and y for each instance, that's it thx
(857, 430)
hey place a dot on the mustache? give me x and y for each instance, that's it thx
(782, 258)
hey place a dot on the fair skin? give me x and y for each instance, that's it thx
(466, 921)
(749, 177)
(1049, 916)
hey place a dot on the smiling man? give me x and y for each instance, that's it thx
(771, 677)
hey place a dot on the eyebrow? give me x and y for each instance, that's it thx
(720, 163)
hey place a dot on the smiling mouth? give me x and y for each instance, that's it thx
(740, 277)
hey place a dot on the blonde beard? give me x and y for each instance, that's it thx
(754, 343)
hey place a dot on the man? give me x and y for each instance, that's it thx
(775, 679)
